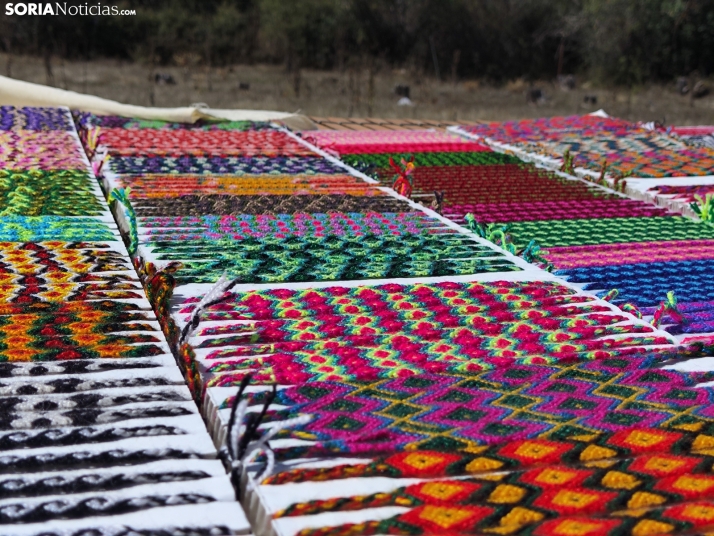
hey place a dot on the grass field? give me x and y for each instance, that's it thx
(350, 93)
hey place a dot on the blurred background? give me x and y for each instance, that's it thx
(650, 60)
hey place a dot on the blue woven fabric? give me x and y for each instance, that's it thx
(647, 284)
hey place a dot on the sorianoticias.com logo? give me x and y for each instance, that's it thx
(63, 9)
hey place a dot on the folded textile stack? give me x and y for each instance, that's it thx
(685, 193)
(99, 433)
(701, 136)
(627, 149)
(681, 192)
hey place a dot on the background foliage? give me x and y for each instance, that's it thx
(617, 41)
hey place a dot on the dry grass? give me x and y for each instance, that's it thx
(348, 94)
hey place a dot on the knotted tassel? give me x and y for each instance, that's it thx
(243, 443)
(215, 293)
(98, 161)
(92, 140)
(668, 306)
(121, 195)
(611, 295)
(704, 208)
(620, 183)
(568, 160)
(532, 253)
(603, 170)
(474, 226)
(632, 309)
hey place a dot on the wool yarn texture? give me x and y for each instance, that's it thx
(659, 452)
(466, 376)
(86, 121)
(44, 119)
(195, 205)
(217, 165)
(328, 258)
(299, 224)
(627, 148)
(530, 498)
(98, 429)
(364, 333)
(48, 193)
(522, 204)
(175, 185)
(378, 142)
(200, 143)
(453, 412)
(685, 193)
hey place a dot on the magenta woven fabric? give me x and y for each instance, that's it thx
(403, 141)
(684, 193)
(630, 253)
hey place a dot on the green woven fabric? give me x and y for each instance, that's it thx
(481, 158)
(553, 233)
(329, 258)
(48, 193)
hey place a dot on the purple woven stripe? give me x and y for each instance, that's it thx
(689, 307)
(698, 317)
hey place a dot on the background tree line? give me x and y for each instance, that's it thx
(614, 41)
